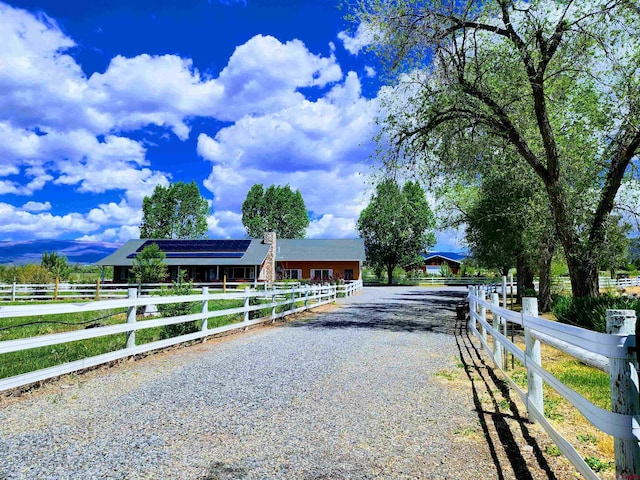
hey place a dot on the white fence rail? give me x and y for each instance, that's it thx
(279, 302)
(435, 280)
(12, 292)
(617, 350)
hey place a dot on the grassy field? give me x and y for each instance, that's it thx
(16, 363)
(591, 383)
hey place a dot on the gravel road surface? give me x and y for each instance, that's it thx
(387, 384)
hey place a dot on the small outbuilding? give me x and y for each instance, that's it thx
(249, 260)
(433, 262)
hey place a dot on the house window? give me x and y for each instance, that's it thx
(123, 274)
(292, 274)
(321, 275)
(240, 272)
(348, 274)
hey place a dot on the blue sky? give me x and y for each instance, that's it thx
(101, 101)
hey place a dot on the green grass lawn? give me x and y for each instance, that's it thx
(16, 363)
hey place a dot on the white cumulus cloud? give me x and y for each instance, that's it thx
(37, 206)
(62, 130)
(363, 37)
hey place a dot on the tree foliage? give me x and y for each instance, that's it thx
(57, 265)
(32, 273)
(148, 265)
(555, 83)
(180, 288)
(396, 226)
(176, 211)
(276, 209)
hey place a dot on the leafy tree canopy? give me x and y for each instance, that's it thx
(57, 265)
(396, 226)
(556, 83)
(148, 265)
(177, 211)
(276, 209)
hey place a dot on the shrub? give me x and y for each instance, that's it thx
(177, 309)
(590, 312)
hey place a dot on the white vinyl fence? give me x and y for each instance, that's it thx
(277, 301)
(613, 353)
(12, 292)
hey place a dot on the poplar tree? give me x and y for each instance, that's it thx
(397, 226)
(177, 211)
(276, 209)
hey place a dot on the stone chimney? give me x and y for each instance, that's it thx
(268, 271)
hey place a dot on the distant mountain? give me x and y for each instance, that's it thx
(30, 251)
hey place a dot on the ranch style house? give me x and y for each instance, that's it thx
(249, 260)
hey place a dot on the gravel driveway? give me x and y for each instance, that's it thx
(385, 385)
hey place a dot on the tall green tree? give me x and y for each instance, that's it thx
(557, 82)
(57, 265)
(148, 265)
(276, 209)
(177, 211)
(397, 226)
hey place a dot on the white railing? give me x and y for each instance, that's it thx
(603, 282)
(432, 280)
(612, 352)
(70, 291)
(607, 282)
(350, 287)
(288, 301)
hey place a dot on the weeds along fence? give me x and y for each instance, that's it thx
(613, 352)
(12, 292)
(254, 307)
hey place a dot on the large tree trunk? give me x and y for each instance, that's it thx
(584, 277)
(583, 269)
(390, 274)
(525, 274)
(545, 255)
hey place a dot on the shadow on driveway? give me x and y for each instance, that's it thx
(418, 311)
(503, 427)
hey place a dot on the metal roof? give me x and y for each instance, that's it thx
(255, 254)
(452, 256)
(344, 249)
(347, 249)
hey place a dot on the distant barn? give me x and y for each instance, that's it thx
(433, 261)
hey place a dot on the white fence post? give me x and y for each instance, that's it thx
(504, 291)
(483, 314)
(273, 303)
(293, 297)
(205, 308)
(511, 289)
(532, 355)
(246, 306)
(497, 348)
(504, 322)
(472, 305)
(131, 318)
(306, 297)
(13, 292)
(623, 374)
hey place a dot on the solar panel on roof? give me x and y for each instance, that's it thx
(205, 255)
(197, 255)
(184, 246)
